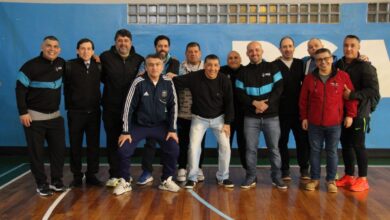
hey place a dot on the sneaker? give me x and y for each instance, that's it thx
(182, 175)
(312, 185)
(112, 182)
(121, 187)
(226, 183)
(279, 183)
(346, 180)
(286, 177)
(200, 175)
(77, 182)
(190, 184)
(169, 185)
(57, 186)
(145, 178)
(305, 175)
(361, 184)
(332, 188)
(249, 183)
(93, 181)
(44, 190)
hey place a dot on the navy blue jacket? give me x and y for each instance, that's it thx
(150, 105)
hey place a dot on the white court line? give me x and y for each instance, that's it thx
(11, 170)
(208, 205)
(14, 179)
(54, 204)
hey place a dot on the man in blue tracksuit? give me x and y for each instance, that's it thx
(150, 111)
(171, 65)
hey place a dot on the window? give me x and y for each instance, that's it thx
(378, 13)
(245, 13)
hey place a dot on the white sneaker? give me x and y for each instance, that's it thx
(169, 185)
(122, 187)
(182, 175)
(200, 175)
(112, 182)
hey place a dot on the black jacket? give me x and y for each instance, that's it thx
(232, 75)
(38, 86)
(117, 76)
(82, 85)
(259, 82)
(365, 80)
(292, 82)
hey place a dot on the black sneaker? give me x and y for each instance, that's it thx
(279, 183)
(248, 183)
(77, 182)
(57, 186)
(44, 190)
(226, 183)
(93, 181)
(190, 184)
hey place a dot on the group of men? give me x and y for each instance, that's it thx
(173, 104)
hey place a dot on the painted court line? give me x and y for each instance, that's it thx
(11, 170)
(55, 203)
(208, 205)
(14, 179)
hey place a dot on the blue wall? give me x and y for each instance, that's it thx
(23, 26)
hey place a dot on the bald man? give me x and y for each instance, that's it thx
(259, 86)
(309, 62)
(231, 70)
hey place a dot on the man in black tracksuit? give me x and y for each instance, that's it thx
(82, 100)
(293, 74)
(258, 87)
(231, 70)
(120, 67)
(365, 81)
(38, 96)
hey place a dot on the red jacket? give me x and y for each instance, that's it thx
(323, 104)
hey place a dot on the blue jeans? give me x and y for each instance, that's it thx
(199, 126)
(317, 136)
(271, 129)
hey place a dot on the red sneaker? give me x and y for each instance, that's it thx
(346, 180)
(361, 184)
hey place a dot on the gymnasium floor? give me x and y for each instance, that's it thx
(19, 200)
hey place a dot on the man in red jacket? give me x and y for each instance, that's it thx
(321, 108)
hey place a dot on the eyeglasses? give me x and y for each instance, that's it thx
(320, 60)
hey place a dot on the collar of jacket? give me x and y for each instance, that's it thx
(46, 60)
(114, 51)
(316, 72)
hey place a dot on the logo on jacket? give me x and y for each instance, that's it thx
(334, 84)
(146, 93)
(164, 94)
(265, 74)
(58, 68)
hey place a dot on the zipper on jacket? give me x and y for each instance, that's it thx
(323, 103)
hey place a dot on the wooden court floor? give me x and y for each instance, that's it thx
(19, 200)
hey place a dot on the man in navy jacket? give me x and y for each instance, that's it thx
(150, 112)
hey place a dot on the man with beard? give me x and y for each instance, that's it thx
(120, 67)
(171, 66)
